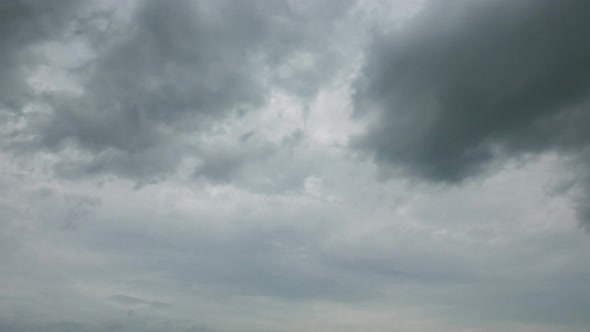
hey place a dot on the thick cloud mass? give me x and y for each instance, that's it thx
(471, 82)
(184, 165)
(22, 25)
(151, 72)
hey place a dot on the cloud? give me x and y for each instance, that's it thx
(471, 82)
(127, 300)
(221, 251)
(132, 301)
(220, 163)
(129, 325)
(23, 24)
(469, 85)
(258, 216)
(151, 79)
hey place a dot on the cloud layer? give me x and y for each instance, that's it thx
(201, 166)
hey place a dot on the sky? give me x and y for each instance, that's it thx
(294, 165)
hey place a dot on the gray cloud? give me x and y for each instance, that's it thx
(250, 256)
(222, 163)
(258, 216)
(159, 74)
(132, 301)
(170, 64)
(23, 24)
(127, 325)
(469, 83)
(127, 300)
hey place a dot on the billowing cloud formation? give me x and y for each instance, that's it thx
(153, 77)
(23, 24)
(474, 82)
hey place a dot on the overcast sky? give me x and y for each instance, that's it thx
(294, 165)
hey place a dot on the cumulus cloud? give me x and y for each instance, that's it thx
(152, 77)
(23, 25)
(468, 81)
(469, 84)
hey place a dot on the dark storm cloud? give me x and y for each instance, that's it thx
(172, 63)
(471, 83)
(23, 24)
(171, 69)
